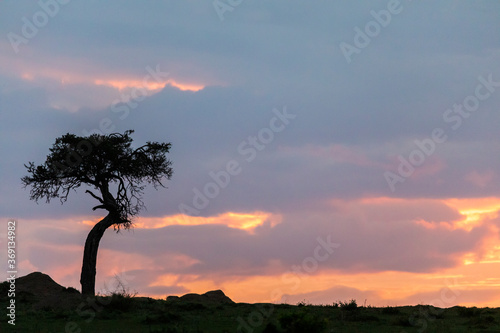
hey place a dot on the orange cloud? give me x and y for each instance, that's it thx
(474, 210)
(475, 274)
(471, 212)
(479, 205)
(165, 280)
(63, 80)
(186, 86)
(92, 222)
(244, 221)
(149, 86)
(67, 71)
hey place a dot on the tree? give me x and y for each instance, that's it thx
(115, 174)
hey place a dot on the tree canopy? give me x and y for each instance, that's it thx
(100, 161)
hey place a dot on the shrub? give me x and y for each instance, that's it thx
(121, 296)
(161, 318)
(120, 303)
(464, 312)
(302, 303)
(299, 322)
(403, 321)
(271, 328)
(390, 310)
(348, 306)
(71, 290)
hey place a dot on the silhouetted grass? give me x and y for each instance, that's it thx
(146, 315)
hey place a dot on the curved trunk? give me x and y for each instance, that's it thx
(87, 278)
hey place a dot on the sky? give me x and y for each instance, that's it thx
(322, 151)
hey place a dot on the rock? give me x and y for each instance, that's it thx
(211, 297)
(40, 291)
(38, 284)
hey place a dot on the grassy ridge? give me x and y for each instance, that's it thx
(122, 314)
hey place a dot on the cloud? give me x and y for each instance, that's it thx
(375, 236)
(384, 236)
(322, 175)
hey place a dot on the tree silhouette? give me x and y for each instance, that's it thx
(107, 164)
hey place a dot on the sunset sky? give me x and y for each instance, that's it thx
(322, 150)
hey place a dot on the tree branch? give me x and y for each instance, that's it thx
(95, 197)
(99, 207)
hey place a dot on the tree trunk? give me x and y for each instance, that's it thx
(87, 278)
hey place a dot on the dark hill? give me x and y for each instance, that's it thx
(212, 297)
(38, 284)
(41, 291)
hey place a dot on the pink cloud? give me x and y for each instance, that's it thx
(480, 180)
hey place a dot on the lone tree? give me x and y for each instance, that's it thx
(114, 171)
